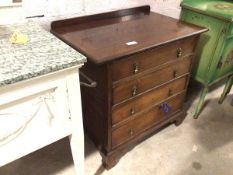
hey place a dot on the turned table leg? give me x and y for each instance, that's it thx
(200, 102)
(226, 89)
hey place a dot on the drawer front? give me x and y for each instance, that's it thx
(35, 112)
(138, 63)
(145, 121)
(123, 91)
(125, 110)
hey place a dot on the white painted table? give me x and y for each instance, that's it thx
(40, 99)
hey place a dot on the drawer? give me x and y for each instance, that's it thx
(38, 116)
(145, 121)
(140, 62)
(130, 108)
(123, 91)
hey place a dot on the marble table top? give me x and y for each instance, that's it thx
(43, 54)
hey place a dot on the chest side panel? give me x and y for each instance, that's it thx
(95, 102)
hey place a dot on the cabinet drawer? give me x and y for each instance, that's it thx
(145, 121)
(138, 104)
(140, 62)
(33, 114)
(123, 91)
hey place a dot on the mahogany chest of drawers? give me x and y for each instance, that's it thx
(141, 62)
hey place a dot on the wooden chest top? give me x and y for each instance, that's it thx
(108, 36)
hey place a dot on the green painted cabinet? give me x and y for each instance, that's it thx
(214, 58)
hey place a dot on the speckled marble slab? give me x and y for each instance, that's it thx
(43, 54)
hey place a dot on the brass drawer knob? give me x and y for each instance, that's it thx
(179, 53)
(175, 74)
(170, 92)
(131, 132)
(134, 91)
(135, 68)
(132, 111)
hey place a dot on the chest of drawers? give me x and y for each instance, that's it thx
(141, 62)
(214, 58)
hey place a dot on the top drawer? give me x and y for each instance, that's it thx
(152, 58)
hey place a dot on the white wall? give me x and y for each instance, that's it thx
(167, 7)
(55, 9)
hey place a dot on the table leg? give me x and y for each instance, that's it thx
(200, 102)
(77, 136)
(226, 90)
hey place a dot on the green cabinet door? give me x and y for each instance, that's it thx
(209, 41)
(226, 64)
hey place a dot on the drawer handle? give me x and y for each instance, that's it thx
(132, 111)
(134, 91)
(175, 73)
(91, 84)
(179, 53)
(131, 132)
(170, 92)
(165, 108)
(135, 68)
